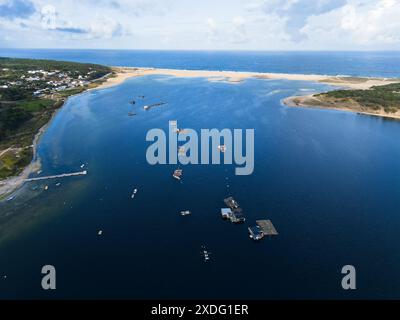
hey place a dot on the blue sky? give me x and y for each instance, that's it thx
(202, 25)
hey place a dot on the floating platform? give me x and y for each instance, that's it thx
(226, 213)
(256, 233)
(235, 215)
(231, 203)
(267, 227)
(262, 229)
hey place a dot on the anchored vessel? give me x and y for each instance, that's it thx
(234, 213)
(154, 105)
(231, 203)
(181, 151)
(205, 253)
(134, 193)
(178, 174)
(222, 148)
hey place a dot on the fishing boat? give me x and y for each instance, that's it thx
(134, 193)
(222, 148)
(205, 253)
(178, 174)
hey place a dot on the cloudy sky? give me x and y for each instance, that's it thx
(204, 25)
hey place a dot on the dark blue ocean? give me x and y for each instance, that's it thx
(371, 64)
(329, 181)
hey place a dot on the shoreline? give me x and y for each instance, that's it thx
(9, 185)
(342, 82)
(124, 73)
(312, 102)
(12, 184)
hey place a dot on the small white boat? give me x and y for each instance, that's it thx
(185, 213)
(178, 174)
(222, 148)
(134, 193)
(82, 166)
(58, 184)
(46, 188)
(206, 254)
(100, 232)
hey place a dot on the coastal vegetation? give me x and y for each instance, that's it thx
(30, 92)
(386, 98)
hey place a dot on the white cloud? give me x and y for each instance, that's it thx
(209, 24)
(379, 22)
(212, 30)
(373, 25)
(239, 32)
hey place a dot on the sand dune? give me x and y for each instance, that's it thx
(123, 73)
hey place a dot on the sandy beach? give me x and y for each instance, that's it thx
(11, 184)
(358, 83)
(124, 73)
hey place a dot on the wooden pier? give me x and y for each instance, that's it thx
(262, 229)
(231, 203)
(80, 173)
(267, 227)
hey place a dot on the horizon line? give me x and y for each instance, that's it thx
(203, 50)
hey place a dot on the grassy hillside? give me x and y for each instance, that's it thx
(30, 92)
(385, 97)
